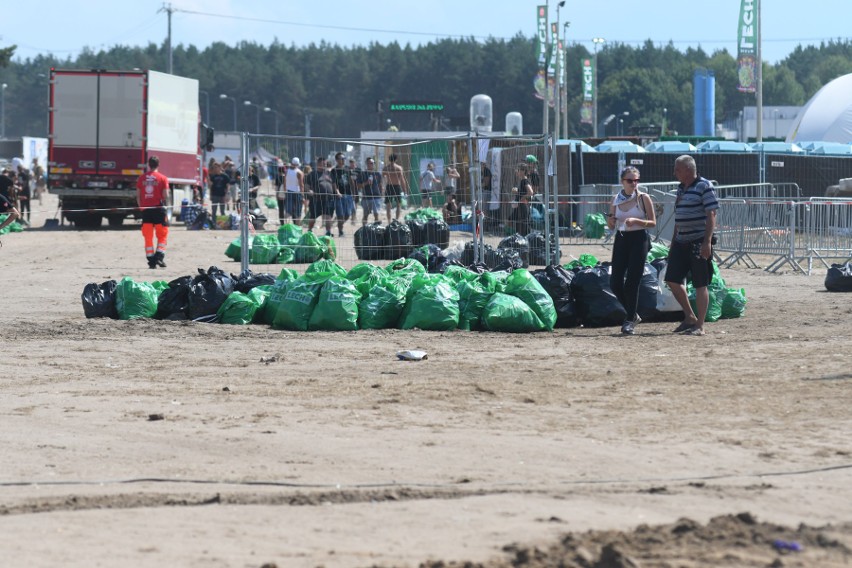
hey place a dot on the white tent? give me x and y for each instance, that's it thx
(828, 115)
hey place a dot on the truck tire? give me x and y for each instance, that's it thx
(115, 221)
(88, 221)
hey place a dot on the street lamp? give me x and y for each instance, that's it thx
(275, 112)
(596, 41)
(258, 107)
(606, 122)
(224, 96)
(3, 111)
(206, 106)
(663, 130)
(558, 56)
(621, 122)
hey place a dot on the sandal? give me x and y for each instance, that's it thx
(683, 327)
(695, 331)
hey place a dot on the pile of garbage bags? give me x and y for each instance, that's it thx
(290, 246)
(428, 291)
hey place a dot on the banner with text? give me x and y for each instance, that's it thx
(747, 47)
(540, 79)
(588, 90)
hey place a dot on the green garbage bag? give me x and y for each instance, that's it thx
(289, 234)
(460, 274)
(237, 309)
(337, 308)
(326, 265)
(264, 249)
(135, 300)
(473, 297)
(10, 228)
(595, 225)
(270, 202)
(524, 286)
(287, 274)
(424, 214)
(234, 250)
(309, 249)
(260, 296)
(658, 250)
(733, 306)
(286, 255)
(432, 304)
(716, 291)
(329, 248)
(361, 269)
(585, 260)
(509, 313)
(383, 305)
(276, 297)
(295, 309)
(367, 278)
(406, 265)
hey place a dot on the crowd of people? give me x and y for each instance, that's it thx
(19, 185)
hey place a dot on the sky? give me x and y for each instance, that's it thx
(64, 28)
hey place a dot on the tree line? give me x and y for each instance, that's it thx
(340, 87)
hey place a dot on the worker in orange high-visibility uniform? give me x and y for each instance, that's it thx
(152, 196)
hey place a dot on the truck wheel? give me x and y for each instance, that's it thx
(115, 221)
(90, 221)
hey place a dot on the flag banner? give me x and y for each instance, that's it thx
(588, 79)
(551, 56)
(541, 14)
(747, 47)
(586, 112)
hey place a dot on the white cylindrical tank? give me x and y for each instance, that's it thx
(514, 124)
(481, 113)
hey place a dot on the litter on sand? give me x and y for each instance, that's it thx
(412, 355)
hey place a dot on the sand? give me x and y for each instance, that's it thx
(579, 447)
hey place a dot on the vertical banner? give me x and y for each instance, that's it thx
(747, 47)
(588, 90)
(540, 80)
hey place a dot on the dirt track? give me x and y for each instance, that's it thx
(338, 454)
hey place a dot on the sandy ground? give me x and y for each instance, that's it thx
(575, 448)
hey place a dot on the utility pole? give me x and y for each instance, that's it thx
(167, 8)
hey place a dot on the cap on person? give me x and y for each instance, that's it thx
(296, 162)
(531, 159)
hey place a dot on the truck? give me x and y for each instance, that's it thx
(103, 126)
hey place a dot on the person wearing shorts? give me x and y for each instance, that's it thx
(370, 182)
(395, 186)
(691, 252)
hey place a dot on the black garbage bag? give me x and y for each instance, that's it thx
(99, 300)
(467, 254)
(398, 242)
(508, 260)
(556, 281)
(596, 305)
(248, 280)
(370, 242)
(207, 292)
(173, 302)
(839, 278)
(418, 232)
(646, 304)
(437, 233)
(517, 243)
(478, 267)
(444, 263)
(538, 243)
(430, 257)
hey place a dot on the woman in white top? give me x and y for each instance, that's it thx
(630, 215)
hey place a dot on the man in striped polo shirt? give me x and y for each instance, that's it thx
(691, 251)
